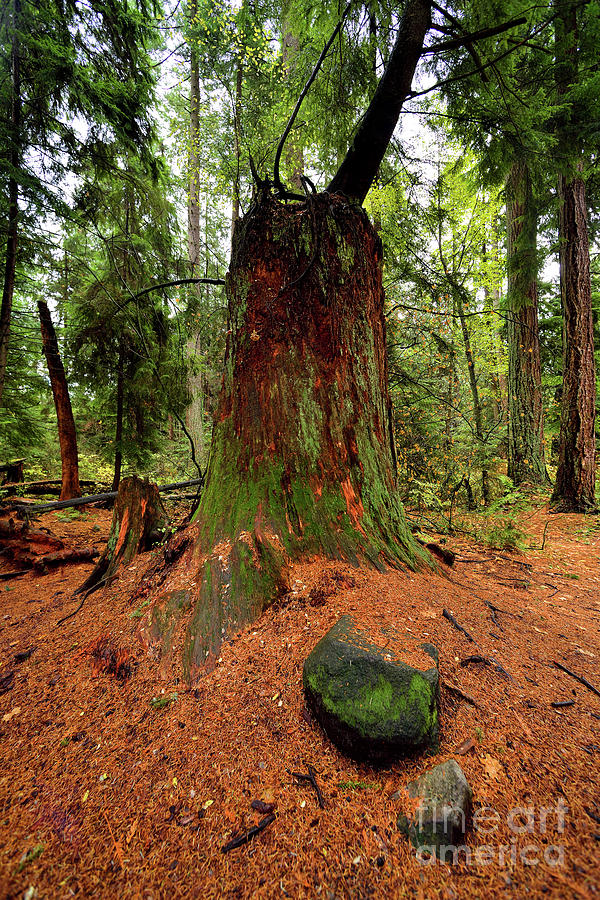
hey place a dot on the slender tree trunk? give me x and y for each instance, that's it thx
(237, 145)
(574, 489)
(477, 405)
(193, 157)
(67, 434)
(361, 163)
(194, 416)
(294, 153)
(119, 423)
(492, 300)
(12, 235)
(526, 415)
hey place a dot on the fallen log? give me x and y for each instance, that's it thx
(62, 557)
(93, 498)
(51, 486)
(32, 548)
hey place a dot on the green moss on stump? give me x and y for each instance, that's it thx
(372, 708)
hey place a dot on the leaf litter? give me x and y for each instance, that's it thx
(221, 755)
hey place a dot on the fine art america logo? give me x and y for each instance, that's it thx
(523, 825)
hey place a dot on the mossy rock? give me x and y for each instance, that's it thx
(373, 706)
(439, 821)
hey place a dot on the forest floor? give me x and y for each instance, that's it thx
(106, 793)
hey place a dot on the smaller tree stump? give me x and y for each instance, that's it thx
(139, 521)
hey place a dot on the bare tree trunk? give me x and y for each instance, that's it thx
(526, 415)
(119, 424)
(237, 143)
(193, 160)
(67, 434)
(361, 163)
(477, 405)
(576, 477)
(12, 237)
(294, 153)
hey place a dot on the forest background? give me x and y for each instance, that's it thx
(128, 136)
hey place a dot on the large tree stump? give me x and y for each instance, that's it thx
(302, 458)
(139, 521)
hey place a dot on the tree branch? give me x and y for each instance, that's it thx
(474, 36)
(361, 164)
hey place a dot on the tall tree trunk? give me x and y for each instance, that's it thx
(237, 145)
(12, 236)
(193, 156)
(526, 415)
(361, 163)
(301, 461)
(67, 434)
(574, 489)
(492, 303)
(119, 423)
(294, 153)
(477, 405)
(194, 416)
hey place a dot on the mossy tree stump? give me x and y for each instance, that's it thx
(302, 457)
(139, 521)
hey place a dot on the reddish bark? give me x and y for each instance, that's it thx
(67, 433)
(574, 490)
(139, 521)
(302, 456)
(526, 415)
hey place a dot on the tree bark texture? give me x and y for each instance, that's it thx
(67, 433)
(119, 422)
(574, 490)
(301, 459)
(526, 462)
(12, 235)
(139, 521)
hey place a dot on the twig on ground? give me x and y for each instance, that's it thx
(312, 780)
(244, 838)
(454, 689)
(578, 678)
(456, 625)
(83, 599)
(487, 662)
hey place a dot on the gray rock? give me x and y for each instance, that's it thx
(439, 821)
(373, 707)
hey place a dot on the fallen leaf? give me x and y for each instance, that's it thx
(262, 807)
(131, 832)
(493, 768)
(466, 745)
(14, 712)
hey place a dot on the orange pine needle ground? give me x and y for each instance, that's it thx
(175, 781)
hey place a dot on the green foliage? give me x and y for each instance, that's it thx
(503, 534)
